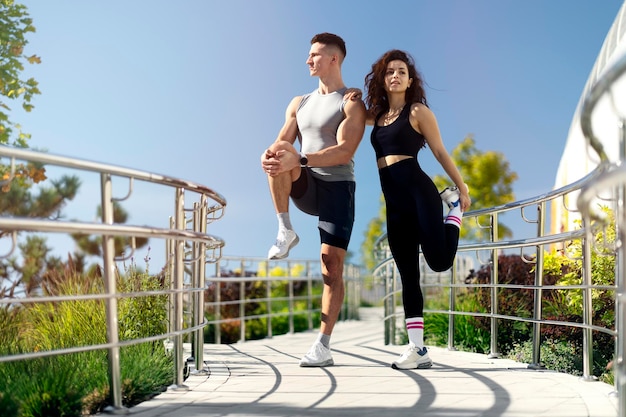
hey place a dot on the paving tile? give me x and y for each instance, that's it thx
(262, 378)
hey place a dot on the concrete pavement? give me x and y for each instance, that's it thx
(263, 378)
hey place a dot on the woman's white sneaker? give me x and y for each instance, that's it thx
(413, 358)
(451, 196)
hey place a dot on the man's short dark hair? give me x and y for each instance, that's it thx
(330, 39)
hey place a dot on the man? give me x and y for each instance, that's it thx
(320, 177)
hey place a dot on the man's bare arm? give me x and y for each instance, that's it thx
(270, 159)
(290, 128)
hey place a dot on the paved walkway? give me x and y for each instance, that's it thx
(262, 378)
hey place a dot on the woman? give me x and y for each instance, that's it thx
(403, 124)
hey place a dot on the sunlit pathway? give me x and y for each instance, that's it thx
(262, 378)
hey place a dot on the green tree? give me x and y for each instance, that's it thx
(375, 229)
(18, 179)
(92, 245)
(490, 180)
(15, 24)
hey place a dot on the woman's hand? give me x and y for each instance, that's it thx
(466, 201)
(352, 94)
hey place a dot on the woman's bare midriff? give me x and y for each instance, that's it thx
(388, 160)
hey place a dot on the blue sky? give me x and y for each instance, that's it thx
(197, 89)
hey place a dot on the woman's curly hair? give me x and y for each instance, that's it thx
(376, 98)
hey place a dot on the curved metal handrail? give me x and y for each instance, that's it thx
(86, 165)
(182, 232)
(610, 179)
(35, 225)
(602, 86)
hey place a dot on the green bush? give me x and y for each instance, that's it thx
(73, 384)
(8, 405)
(143, 316)
(51, 387)
(257, 328)
(467, 334)
(560, 356)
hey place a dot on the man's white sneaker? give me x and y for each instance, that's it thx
(318, 355)
(451, 196)
(285, 240)
(413, 358)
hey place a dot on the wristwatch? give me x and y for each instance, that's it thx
(303, 159)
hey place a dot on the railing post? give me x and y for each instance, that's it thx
(538, 292)
(177, 280)
(587, 301)
(218, 305)
(387, 305)
(200, 212)
(390, 300)
(171, 261)
(309, 300)
(390, 304)
(452, 307)
(242, 310)
(494, 353)
(291, 304)
(268, 303)
(620, 283)
(108, 255)
(354, 292)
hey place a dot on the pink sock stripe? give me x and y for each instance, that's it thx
(453, 219)
(411, 326)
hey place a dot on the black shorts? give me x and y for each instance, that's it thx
(331, 201)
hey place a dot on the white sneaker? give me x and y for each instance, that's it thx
(285, 240)
(451, 196)
(413, 358)
(318, 355)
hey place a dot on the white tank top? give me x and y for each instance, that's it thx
(318, 117)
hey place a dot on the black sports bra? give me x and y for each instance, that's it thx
(398, 138)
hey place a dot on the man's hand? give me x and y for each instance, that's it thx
(275, 163)
(269, 162)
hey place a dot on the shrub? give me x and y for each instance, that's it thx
(467, 335)
(560, 356)
(230, 295)
(68, 385)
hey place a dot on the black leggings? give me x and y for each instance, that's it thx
(415, 218)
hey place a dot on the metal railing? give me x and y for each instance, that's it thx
(613, 180)
(188, 230)
(590, 189)
(194, 269)
(285, 283)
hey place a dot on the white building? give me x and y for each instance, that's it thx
(578, 158)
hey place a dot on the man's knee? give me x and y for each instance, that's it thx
(332, 263)
(282, 146)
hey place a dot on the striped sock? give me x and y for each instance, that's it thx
(455, 215)
(415, 330)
